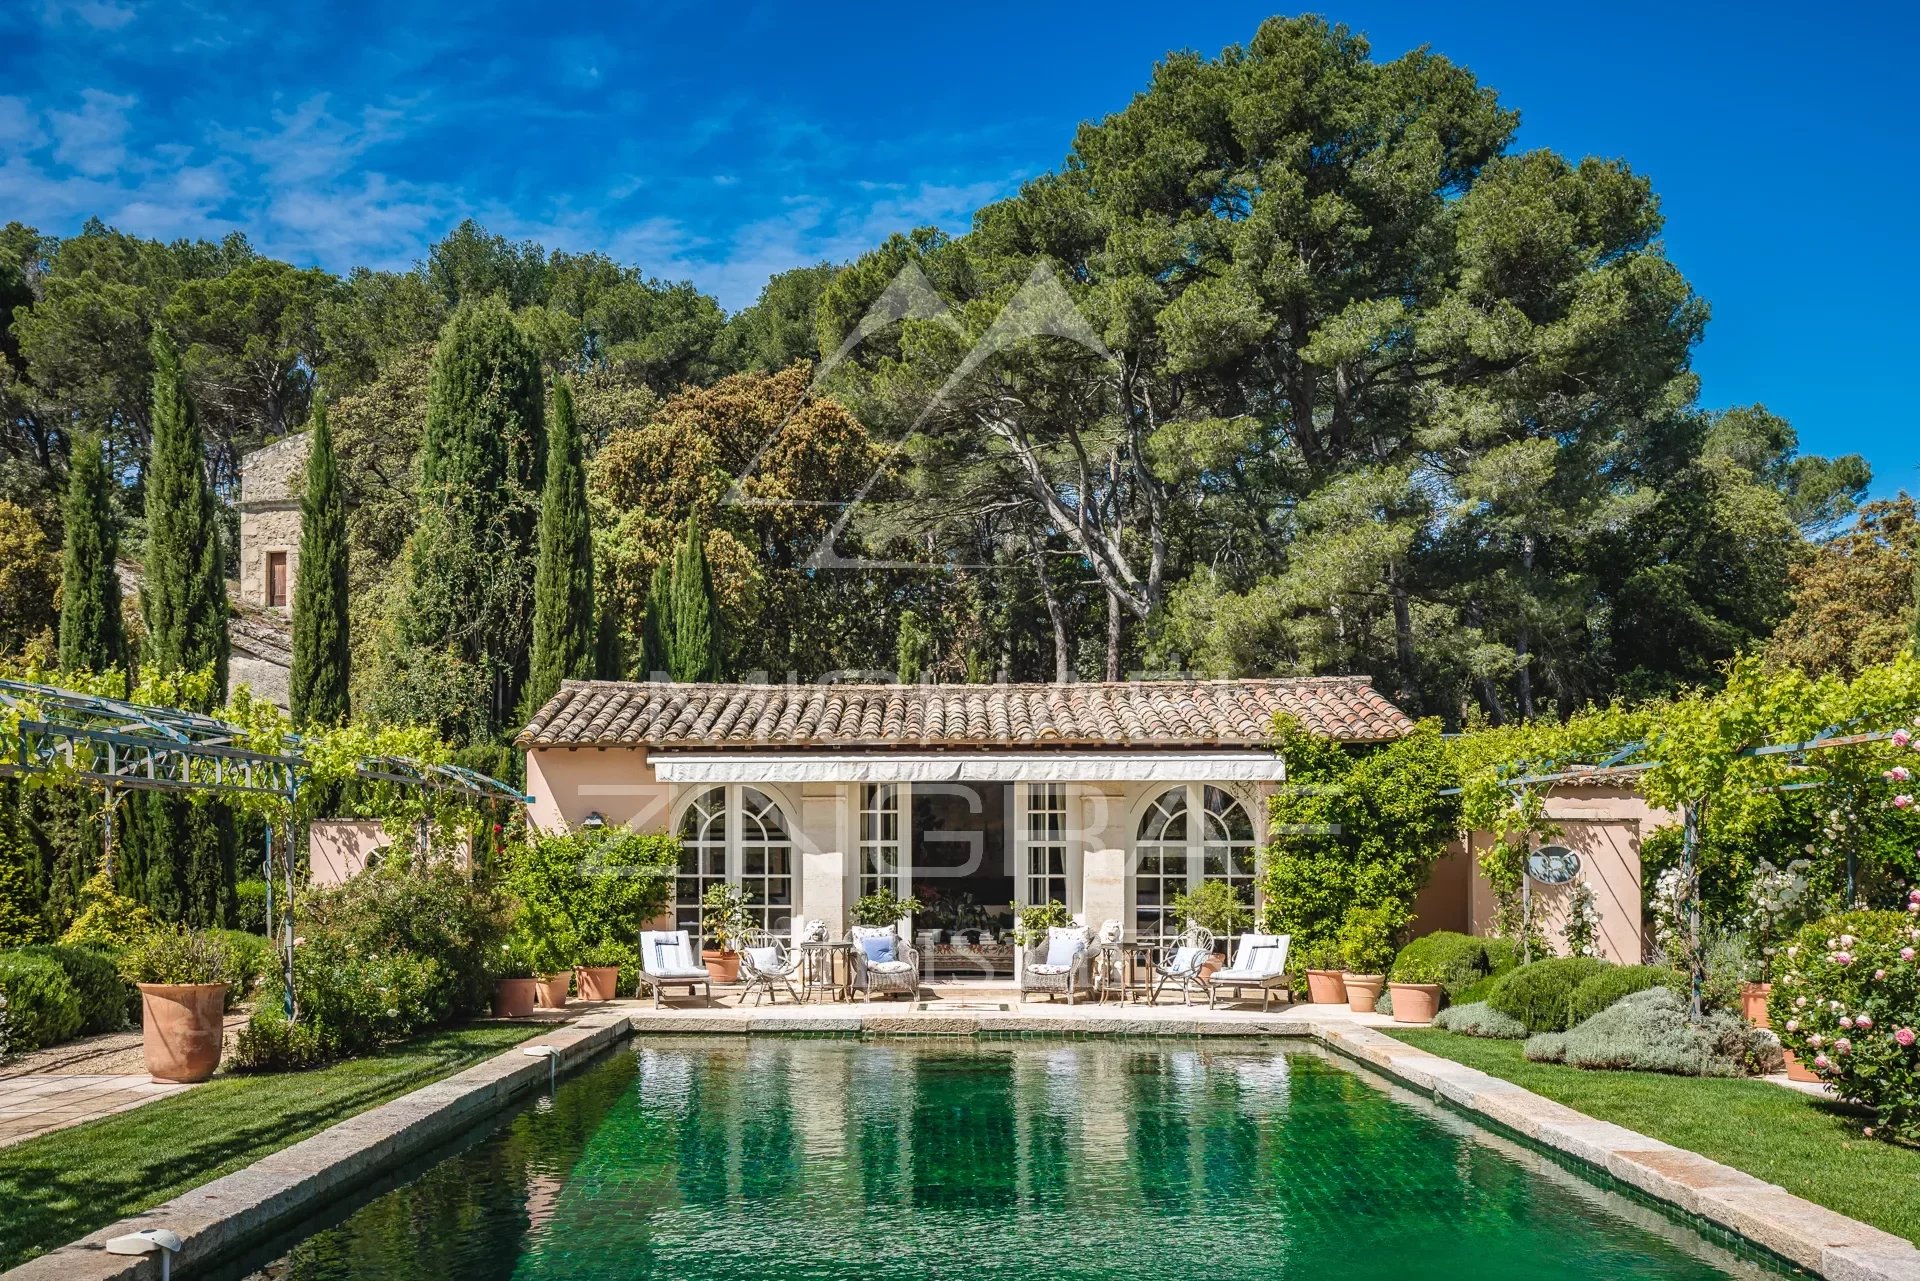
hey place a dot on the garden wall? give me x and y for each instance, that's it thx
(338, 848)
(1605, 824)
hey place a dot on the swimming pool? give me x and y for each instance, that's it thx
(769, 1158)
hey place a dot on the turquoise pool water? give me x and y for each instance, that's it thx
(776, 1158)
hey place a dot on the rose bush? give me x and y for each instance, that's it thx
(1846, 1002)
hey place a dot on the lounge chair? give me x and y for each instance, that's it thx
(884, 969)
(1062, 963)
(1181, 965)
(766, 966)
(1261, 962)
(667, 960)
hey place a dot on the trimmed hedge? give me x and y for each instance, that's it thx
(1477, 1018)
(1452, 960)
(42, 1007)
(1614, 982)
(97, 985)
(1541, 995)
(1649, 1031)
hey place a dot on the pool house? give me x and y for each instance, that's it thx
(973, 799)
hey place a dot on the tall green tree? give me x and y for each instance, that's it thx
(92, 632)
(655, 622)
(322, 650)
(482, 466)
(564, 619)
(693, 630)
(185, 593)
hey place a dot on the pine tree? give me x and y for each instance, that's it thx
(563, 612)
(322, 654)
(92, 635)
(482, 466)
(692, 628)
(185, 597)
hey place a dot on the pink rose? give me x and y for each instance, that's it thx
(1793, 1025)
(1879, 974)
(1901, 738)
(1903, 1037)
(1863, 1021)
(1842, 958)
(1906, 954)
(1913, 896)
(1821, 1062)
(1846, 940)
(1800, 1002)
(1846, 1021)
(1842, 1046)
(1816, 1040)
(1867, 1130)
(1902, 801)
(1898, 774)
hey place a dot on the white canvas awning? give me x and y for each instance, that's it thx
(974, 767)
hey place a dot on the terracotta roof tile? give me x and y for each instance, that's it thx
(1128, 713)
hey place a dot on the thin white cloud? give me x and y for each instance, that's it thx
(101, 15)
(92, 139)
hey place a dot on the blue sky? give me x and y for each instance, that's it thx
(724, 143)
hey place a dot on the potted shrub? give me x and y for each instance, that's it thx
(724, 919)
(515, 991)
(1218, 908)
(883, 907)
(597, 977)
(1030, 930)
(1326, 982)
(1366, 948)
(1417, 982)
(182, 977)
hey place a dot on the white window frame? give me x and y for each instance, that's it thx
(1195, 843)
(733, 851)
(1043, 829)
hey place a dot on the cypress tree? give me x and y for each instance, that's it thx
(482, 466)
(655, 623)
(21, 918)
(322, 655)
(185, 597)
(692, 627)
(92, 635)
(187, 847)
(563, 613)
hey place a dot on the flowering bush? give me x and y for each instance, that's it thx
(1847, 1003)
(1778, 902)
(1583, 921)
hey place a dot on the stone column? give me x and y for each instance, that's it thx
(1103, 864)
(824, 864)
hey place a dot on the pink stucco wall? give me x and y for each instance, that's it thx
(567, 784)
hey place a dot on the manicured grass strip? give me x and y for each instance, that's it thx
(61, 1186)
(1808, 1146)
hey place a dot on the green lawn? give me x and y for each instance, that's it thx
(64, 1185)
(1808, 1146)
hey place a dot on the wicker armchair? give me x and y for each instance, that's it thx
(1062, 962)
(1181, 966)
(900, 975)
(766, 966)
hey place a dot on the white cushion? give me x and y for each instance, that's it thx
(1243, 976)
(1064, 946)
(1048, 969)
(1186, 959)
(764, 959)
(891, 967)
(668, 954)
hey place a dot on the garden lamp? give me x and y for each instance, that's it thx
(146, 1241)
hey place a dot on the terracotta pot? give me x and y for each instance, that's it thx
(1326, 987)
(597, 982)
(1415, 1002)
(1797, 1071)
(1753, 1002)
(181, 1029)
(1363, 990)
(722, 967)
(515, 998)
(553, 989)
(1208, 966)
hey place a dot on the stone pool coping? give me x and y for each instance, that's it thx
(220, 1218)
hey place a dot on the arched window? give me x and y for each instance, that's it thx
(739, 835)
(1174, 853)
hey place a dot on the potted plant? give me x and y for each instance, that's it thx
(515, 991)
(598, 975)
(883, 907)
(1366, 948)
(182, 977)
(1217, 907)
(724, 919)
(552, 952)
(1326, 984)
(1030, 930)
(1415, 982)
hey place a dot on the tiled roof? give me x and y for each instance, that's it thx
(1193, 714)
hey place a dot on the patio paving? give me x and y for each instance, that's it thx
(39, 1103)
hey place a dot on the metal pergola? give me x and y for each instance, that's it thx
(123, 747)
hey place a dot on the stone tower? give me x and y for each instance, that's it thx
(272, 479)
